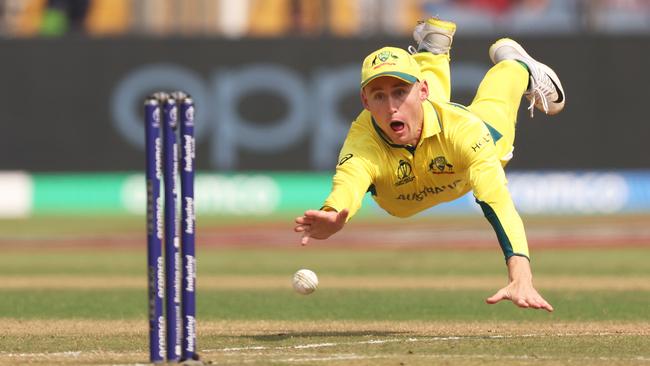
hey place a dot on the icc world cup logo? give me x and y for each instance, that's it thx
(403, 170)
(404, 173)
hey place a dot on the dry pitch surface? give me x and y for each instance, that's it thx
(344, 343)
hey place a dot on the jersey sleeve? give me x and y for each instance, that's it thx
(355, 172)
(488, 181)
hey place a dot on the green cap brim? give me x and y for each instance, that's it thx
(396, 74)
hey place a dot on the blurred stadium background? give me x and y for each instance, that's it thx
(275, 82)
(315, 18)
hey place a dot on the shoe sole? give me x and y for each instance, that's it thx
(526, 58)
(450, 27)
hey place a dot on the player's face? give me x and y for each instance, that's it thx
(396, 106)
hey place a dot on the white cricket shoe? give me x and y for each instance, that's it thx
(434, 35)
(545, 91)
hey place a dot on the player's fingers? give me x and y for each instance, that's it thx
(342, 216)
(538, 302)
(534, 304)
(313, 213)
(521, 303)
(304, 220)
(533, 301)
(546, 306)
(305, 238)
(301, 228)
(498, 296)
(538, 305)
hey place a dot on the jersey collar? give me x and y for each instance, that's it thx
(432, 124)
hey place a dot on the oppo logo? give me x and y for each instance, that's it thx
(313, 107)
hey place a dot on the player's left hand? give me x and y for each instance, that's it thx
(521, 294)
(520, 290)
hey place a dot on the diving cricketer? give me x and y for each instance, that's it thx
(411, 148)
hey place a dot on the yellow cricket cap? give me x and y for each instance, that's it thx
(390, 61)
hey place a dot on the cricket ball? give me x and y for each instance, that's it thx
(305, 281)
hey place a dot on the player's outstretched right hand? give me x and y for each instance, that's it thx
(319, 224)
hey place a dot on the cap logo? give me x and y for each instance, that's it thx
(384, 55)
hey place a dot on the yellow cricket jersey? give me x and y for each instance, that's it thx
(457, 152)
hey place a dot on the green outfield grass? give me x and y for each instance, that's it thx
(335, 304)
(86, 304)
(283, 261)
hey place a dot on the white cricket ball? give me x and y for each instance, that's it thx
(305, 281)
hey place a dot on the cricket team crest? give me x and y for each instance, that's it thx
(383, 57)
(439, 165)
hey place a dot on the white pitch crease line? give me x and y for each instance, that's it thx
(303, 346)
(251, 348)
(317, 345)
(377, 341)
(44, 354)
(231, 349)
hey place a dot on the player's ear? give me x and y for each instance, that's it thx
(364, 99)
(424, 90)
